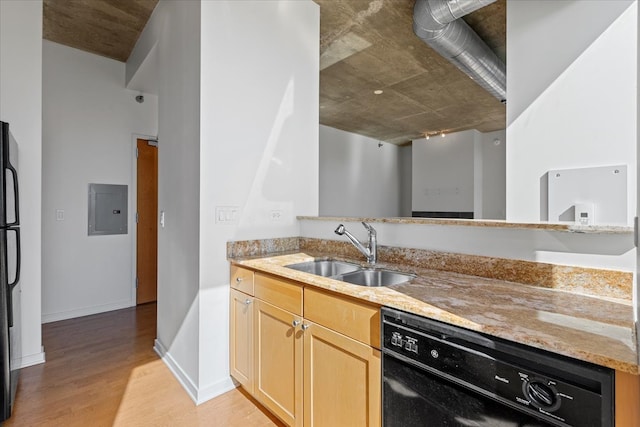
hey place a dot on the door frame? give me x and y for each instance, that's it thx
(133, 202)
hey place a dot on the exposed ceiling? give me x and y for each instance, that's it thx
(422, 92)
(365, 46)
(105, 27)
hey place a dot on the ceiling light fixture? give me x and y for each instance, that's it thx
(378, 92)
(428, 135)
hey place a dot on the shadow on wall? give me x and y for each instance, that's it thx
(544, 197)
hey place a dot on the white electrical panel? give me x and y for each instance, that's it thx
(108, 210)
(588, 196)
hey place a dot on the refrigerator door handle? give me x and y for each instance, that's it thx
(13, 284)
(14, 174)
(18, 260)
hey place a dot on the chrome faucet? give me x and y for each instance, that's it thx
(371, 250)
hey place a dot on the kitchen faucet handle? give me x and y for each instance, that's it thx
(369, 228)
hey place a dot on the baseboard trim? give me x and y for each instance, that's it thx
(32, 359)
(176, 370)
(86, 311)
(215, 390)
(197, 395)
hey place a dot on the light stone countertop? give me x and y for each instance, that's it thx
(490, 223)
(588, 328)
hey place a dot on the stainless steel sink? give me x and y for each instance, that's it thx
(325, 267)
(352, 273)
(375, 277)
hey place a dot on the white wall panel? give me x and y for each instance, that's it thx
(21, 107)
(586, 115)
(358, 177)
(259, 143)
(89, 120)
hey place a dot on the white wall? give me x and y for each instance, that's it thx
(89, 120)
(555, 34)
(443, 173)
(358, 178)
(494, 167)
(21, 107)
(259, 143)
(568, 114)
(175, 31)
(607, 251)
(636, 296)
(235, 130)
(406, 185)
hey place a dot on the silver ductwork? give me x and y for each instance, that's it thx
(437, 23)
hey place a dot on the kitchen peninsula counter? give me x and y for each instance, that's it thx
(595, 329)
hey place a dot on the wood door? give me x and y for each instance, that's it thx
(147, 227)
(341, 380)
(241, 339)
(278, 362)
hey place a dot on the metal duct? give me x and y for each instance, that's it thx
(437, 23)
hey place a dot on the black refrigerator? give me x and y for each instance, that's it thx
(10, 331)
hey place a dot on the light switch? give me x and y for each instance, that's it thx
(59, 215)
(227, 214)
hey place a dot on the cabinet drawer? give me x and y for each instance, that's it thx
(352, 318)
(280, 292)
(242, 279)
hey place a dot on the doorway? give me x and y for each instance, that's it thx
(147, 224)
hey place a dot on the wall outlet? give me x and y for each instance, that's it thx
(59, 215)
(276, 215)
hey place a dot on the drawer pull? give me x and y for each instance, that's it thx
(296, 323)
(238, 279)
(247, 301)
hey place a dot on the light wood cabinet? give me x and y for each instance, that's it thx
(241, 361)
(627, 401)
(278, 362)
(282, 293)
(316, 371)
(341, 380)
(353, 318)
(242, 279)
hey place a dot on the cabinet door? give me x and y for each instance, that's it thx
(278, 352)
(241, 358)
(341, 380)
(627, 398)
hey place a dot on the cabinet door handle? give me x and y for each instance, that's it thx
(238, 279)
(305, 327)
(247, 301)
(296, 323)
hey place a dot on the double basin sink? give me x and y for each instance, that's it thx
(352, 273)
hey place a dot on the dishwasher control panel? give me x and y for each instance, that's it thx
(559, 390)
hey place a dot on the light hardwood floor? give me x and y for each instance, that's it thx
(101, 370)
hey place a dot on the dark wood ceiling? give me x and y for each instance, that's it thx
(365, 46)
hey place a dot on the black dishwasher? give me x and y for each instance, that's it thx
(435, 374)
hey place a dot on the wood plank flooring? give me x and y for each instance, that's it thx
(101, 370)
